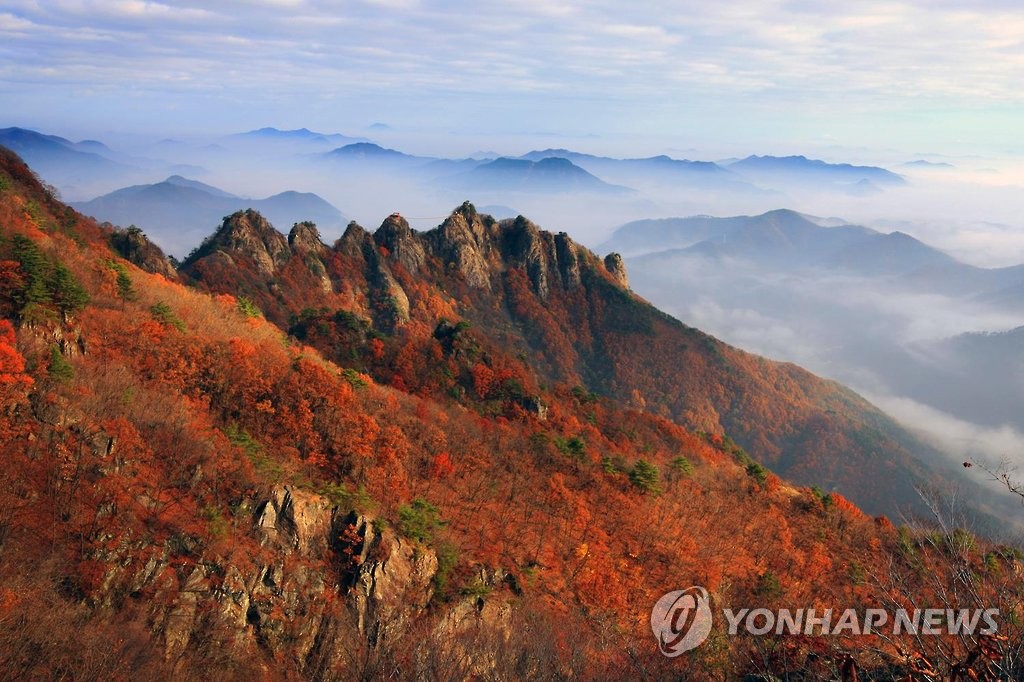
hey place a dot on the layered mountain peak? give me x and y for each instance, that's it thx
(480, 249)
(352, 240)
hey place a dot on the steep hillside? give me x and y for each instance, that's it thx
(569, 317)
(187, 493)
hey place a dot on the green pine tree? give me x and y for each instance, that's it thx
(68, 295)
(125, 288)
(59, 368)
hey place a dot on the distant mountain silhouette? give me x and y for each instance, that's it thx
(893, 253)
(781, 239)
(987, 369)
(179, 181)
(364, 150)
(774, 229)
(174, 212)
(300, 135)
(921, 163)
(64, 163)
(660, 170)
(800, 169)
(655, 162)
(552, 174)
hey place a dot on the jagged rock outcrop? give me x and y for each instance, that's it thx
(353, 241)
(464, 242)
(133, 245)
(372, 276)
(543, 255)
(393, 302)
(391, 581)
(296, 520)
(616, 267)
(379, 584)
(304, 241)
(276, 605)
(475, 632)
(305, 238)
(401, 242)
(527, 247)
(568, 260)
(249, 234)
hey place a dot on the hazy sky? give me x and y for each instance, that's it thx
(758, 75)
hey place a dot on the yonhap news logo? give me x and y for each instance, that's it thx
(681, 620)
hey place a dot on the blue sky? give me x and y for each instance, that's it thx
(755, 75)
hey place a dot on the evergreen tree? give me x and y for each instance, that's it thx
(68, 295)
(59, 368)
(125, 288)
(34, 267)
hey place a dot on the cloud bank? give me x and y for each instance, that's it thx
(868, 72)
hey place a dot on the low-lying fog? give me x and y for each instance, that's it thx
(894, 335)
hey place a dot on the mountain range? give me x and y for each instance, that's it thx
(349, 171)
(800, 169)
(879, 310)
(543, 297)
(74, 167)
(471, 451)
(781, 238)
(550, 174)
(181, 211)
(300, 135)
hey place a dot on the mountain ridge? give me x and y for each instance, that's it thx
(196, 492)
(567, 310)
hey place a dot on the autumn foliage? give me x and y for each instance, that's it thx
(464, 424)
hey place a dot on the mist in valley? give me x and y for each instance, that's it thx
(933, 348)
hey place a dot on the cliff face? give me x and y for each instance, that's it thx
(136, 248)
(329, 586)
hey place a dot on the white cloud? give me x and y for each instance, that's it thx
(960, 438)
(803, 63)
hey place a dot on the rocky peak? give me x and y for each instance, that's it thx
(466, 242)
(478, 248)
(401, 242)
(527, 247)
(249, 234)
(615, 266)
(351, 243)
(304, 241)
(304, 237)
(566, 253)
(136, 248)
(546, 257)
